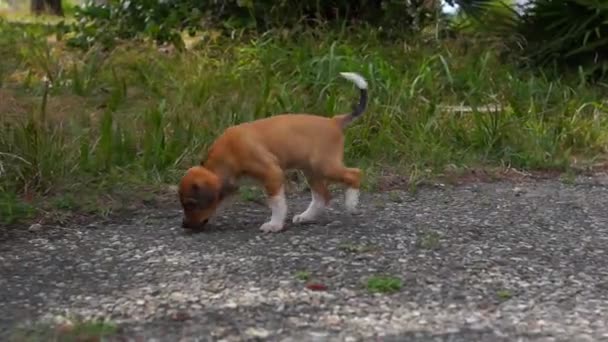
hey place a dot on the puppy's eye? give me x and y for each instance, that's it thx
(190, 205)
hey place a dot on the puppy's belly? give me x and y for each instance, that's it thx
(247, 181)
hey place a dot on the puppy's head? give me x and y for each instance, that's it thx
(200, 193)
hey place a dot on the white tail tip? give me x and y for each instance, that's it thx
(357, 79)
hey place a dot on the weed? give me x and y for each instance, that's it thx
(12, 209)
(92, 329)
(568, 177)
(66, 202)
(382, 284)
(429, 240)
(395, 196)
(250, 194)
(504, 295)
(67, 332)
(303, 275)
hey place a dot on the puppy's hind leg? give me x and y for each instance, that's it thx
(351, 177)
(320, 199)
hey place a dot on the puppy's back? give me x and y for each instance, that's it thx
(296, 140)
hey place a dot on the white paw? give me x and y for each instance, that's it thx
(352, 200)
(302, 218)
(271, 227)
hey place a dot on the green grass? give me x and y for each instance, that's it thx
(142, 116)
(251, 194)
(384, 284)
(504, 295)
(303, 275)
(12, 209)
(429, 240)
(76, 331)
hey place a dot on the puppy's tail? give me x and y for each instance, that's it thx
(358, 108)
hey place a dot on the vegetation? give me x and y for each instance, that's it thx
(303, 275)
(163, 21)
(69, 331)
(561, 34)
(429, 240)
(382, 284)
(118, 114)
(504, 295)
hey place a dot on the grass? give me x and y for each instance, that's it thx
(384, 284)
(251, 194)
(429, 240)
(504, 295)
(303, 275)
(137, 115)
(68, 332)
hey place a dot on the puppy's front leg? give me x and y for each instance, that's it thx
(276, 201)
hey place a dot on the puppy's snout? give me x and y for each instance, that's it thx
(185, 224)
(189, 225)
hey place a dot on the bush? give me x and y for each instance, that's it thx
(568, 33)
(163, 21)
(565, 34)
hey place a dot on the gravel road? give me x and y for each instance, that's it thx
(504, 261)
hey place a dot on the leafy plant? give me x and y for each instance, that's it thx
(126, 19)
(163, 21)
(547, 33)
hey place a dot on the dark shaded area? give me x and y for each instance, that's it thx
(53, 7)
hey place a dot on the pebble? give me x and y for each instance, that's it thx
(257, 332)
(36, 227)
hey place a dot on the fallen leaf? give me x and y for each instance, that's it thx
(65, 328)
(316, 287)
(180, 316)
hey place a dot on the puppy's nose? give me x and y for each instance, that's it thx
(188, 225)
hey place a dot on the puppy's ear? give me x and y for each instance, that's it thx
(204, 196)
(227, 189)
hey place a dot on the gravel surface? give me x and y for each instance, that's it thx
(502, 261)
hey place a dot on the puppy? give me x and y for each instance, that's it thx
(263, 150)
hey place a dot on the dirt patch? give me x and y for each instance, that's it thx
(64, 108)
(11, 107)
(59, 109)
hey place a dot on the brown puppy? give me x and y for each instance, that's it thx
(264, 149)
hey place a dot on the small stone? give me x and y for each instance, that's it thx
(333, 320)
(318, 335)
(60, 320)
(36, 227)
(334, 224)
(257, 332)
(177, 296)
(180, 316)
(231, 305)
